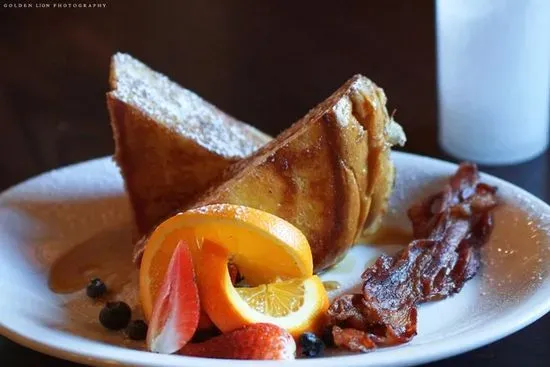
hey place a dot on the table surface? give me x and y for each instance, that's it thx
(265, 63)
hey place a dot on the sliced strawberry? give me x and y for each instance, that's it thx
(255, 341)
(176, 310)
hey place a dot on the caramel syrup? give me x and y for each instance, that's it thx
(391, 236)
(331, 285)
(106, 255)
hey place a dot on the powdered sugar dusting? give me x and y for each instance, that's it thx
(342, 110)
(63, 208)
(182, 110)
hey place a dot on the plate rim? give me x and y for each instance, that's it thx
(416, 354)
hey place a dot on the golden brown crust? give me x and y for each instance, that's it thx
(380, 167)
(163, 161)
(330, 174)
(321, 173)
(162, 171)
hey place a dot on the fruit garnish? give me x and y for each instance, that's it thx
(256, 341)
(263, 246)
(176, 310)
(312, 346)
(136, 330)
(234, 274)
(96, 288)
(115, 315)
(204, 322)
(296, 304)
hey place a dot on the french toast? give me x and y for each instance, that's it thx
(170, 143)
(329, 174)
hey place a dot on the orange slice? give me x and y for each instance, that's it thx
(263, 246)
(296, 305)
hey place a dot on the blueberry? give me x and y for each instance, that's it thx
(96, 288)
(137, 330)
(115, 315)
(312, 346)
(328, 337)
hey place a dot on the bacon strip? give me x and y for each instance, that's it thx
(449, 228)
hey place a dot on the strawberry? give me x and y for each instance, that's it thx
(234, 273)
(204, 322)
(255, 341)
(176, 310)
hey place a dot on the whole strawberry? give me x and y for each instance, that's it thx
(256, 341)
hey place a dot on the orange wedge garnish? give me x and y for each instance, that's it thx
(296, 304)
(264, 247)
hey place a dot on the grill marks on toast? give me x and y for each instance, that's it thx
(342, 188)
(323, 162)
(328, 173)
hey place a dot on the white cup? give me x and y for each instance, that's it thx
(493, 79)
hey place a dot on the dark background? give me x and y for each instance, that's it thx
(266, 63)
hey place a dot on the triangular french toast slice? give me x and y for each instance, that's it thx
(170, 143)
(329, 174)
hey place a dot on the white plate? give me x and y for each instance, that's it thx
(47, 215)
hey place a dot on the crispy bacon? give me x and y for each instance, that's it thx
(449, 228)
(355, 340)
